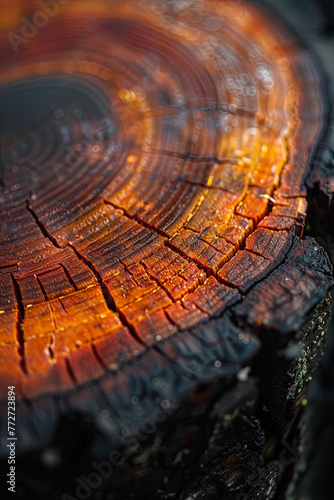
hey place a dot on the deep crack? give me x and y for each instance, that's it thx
(19, 323)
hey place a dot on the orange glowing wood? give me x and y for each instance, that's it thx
(152, 198)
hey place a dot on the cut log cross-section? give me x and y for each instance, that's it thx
(153, 197)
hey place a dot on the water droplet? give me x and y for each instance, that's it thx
(58, 114)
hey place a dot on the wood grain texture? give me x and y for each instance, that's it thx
(153, 202)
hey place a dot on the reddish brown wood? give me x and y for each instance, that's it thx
(153, 201)
(190, 192)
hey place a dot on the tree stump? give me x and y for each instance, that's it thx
(155, 282)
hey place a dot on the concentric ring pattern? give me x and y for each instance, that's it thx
(153, 158)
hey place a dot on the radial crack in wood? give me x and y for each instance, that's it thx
(154, 161)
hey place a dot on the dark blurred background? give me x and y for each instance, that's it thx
(313, 477)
